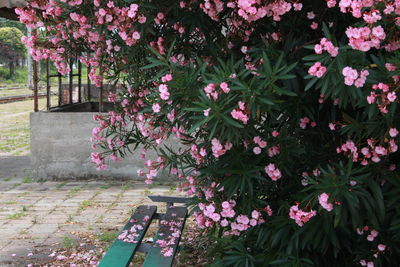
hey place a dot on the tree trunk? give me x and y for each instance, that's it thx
(12, 68)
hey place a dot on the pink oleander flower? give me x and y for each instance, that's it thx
(273, 172)
(156, 108)
(256, 150)
(323, 201)
(239, 115)
(300, 216)
(166, 78)
(243, 219)
(393, 132)
(326, 45)
(317, 70)
(217, 148)
(381, 247)
(391, 96)
(303, 122)
(224, 223)
(352, 77)
(224, 87)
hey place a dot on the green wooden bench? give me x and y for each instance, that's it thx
(171, 224)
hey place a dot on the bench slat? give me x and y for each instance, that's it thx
(121, 253)
(155, 258)
(169, 199)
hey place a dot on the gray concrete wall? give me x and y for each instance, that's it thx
(61, 147)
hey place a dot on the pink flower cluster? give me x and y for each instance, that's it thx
(260, 145)
(80, 30)
(225, 87)
(168, 242)
(382, 96)
(98, 159)
(305, 121)
(209, 216)
(158, 45)
(326, 45)
(239, 113)
(352, 77)
(199, 154)
(372, 152)
(323, 201)
(132, 233)
(300, 216)
(367, 263)
(151, 172)
(218, 149)
(273, 172)
(317, 70)
(212, 8)
(211, 91)
(163, 88)
(354, 6)
(373, 234)
(364, 38)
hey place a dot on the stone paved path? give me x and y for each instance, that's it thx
(38, 216)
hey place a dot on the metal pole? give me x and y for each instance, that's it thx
(35, 87)
(79, 81)
(88, 84)
(71, 79)
(60, 94)
(101, 97)
(48, 84)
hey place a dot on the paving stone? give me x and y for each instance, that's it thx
(57, 209)
(43, 228)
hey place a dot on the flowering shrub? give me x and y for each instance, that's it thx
(286, 111)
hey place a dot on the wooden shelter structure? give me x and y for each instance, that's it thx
(67, 95)
(7, 8)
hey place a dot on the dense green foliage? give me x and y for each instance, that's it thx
(288, 133)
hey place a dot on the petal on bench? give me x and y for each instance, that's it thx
(171, 226)
(121, 253)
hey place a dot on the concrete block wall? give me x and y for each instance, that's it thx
(61, 148)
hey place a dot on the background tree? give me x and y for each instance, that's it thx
(12, 48)
(11, 23)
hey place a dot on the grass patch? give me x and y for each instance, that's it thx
(23, 232)
(85, 204)
(7, 179)
(125, 187)
(19, 214)
(100, 219)
(27, 180)
(172, 189)
(41, 180)
(73, 192)
(10, 202)
(23, 194)
(69, 242)
(70, 218)
(58, 186)
(107, 237)
(14, 125)
(105, 186)
(147, 192)
(15, 216)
